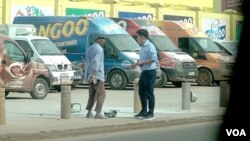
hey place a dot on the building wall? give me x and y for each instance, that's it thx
(237, 22)
(83, 9)
(1, 11)
(200, 14)
(216, 26)
(138, 11)
(182, 15)
(20, 7)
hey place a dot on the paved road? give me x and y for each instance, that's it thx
(27, 117)
(205, 131)
(167, 100)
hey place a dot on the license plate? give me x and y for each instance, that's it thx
(64, 79)
(191, 73)
(77, 77)
(64, 74)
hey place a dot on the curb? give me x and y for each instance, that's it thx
(106, 129)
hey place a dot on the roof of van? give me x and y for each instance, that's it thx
(133, 25)
(4, 37)
(173, 24)
(103, 23)
(29, 37)
(189, 28)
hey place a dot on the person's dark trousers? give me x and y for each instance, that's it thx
(146, 90)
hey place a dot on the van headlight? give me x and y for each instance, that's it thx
(69, 67)
(52, 67)
(222, 62)
(41, 66)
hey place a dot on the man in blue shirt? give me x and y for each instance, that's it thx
(147, 63)
(94, 74)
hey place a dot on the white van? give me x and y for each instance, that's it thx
(19, 74)
(43, 50)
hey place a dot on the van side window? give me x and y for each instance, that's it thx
(109, 50)
(14, 53)
(26, 47)
(191, 47)
(91, 40)
(184, 44)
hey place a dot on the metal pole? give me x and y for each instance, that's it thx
(2, 106)
(65, 102)
(185, 96)
(137, 101)
(224, 93)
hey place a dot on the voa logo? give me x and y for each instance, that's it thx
(236, 132)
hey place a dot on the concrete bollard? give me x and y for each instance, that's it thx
(224, 93)
(2, 106)
(65, 102)
(137, 101)
(185, 96)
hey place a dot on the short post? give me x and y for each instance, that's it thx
(65, 102)
(2, 106)
(137, 101)
(185, 96)
(224, 93)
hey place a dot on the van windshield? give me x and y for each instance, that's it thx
(231, 45)
(45, 47)
(163, 43)
(124, 42)
(206, 44)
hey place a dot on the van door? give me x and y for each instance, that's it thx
(26, 47)
(17, 73)
(189, 46)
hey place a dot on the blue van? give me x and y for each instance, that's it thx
(74, 34)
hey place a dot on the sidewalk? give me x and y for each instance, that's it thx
(30, 116)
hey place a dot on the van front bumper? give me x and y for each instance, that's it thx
(132, 74)
(63, 78)
(177, 76)
(222, 74)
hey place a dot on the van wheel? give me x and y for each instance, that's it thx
(205, 77)
(161, 81)
(40, 89)
(117, 80)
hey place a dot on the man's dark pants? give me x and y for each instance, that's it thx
(146, 90)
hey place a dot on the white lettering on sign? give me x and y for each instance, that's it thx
(15, 83)
(95, 14)
(66, 43)
(111, 27)
(151, 28)
(187, 20)
(236, 132)
(148, 17)
(123, 24)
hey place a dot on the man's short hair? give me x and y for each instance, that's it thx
(142, 32)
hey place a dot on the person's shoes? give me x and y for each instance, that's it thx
(89, 115)
(140, 115)
(100, 116)
(110, 114)
(148, 117)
